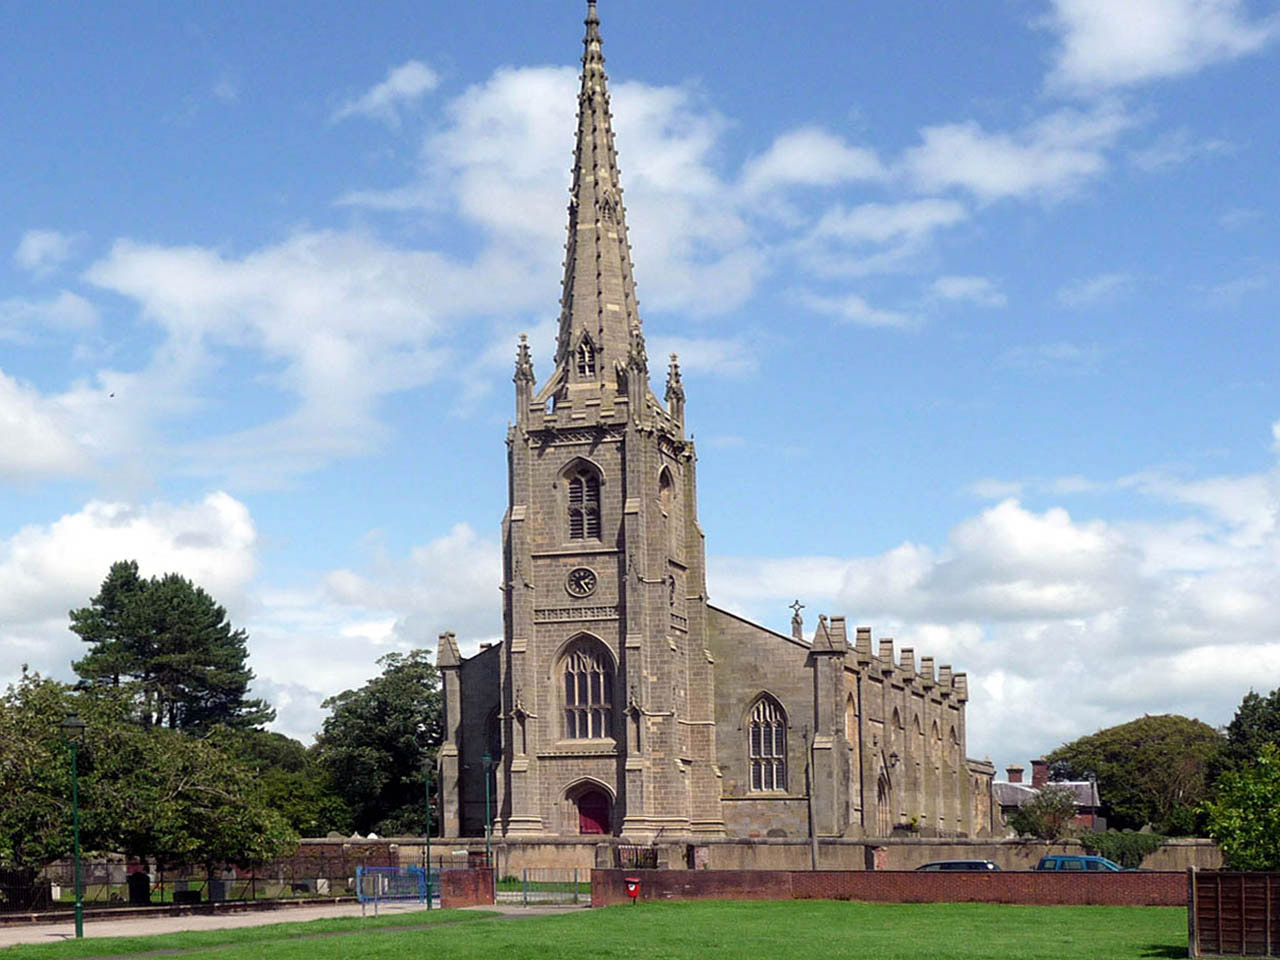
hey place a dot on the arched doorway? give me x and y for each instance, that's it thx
(593, 812)
(884, 812)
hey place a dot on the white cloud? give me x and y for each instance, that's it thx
(1060, 356)
(40, 252)
(1049, 158)
(703, 356)
(1176, 147)
(1109, 44)
(404, 84)
(1091, 290)
(876, 237)
(809, 157)
(226, 90)
(851, 308)
(45, 570)
(393, 603)
(969, 289)
(342, 318)
(1238, 217)
(500, 163)
(1172, 615)
(23, 320)
(36, 435)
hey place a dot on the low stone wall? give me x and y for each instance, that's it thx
(510, 856)
(466, 888)
(897, 886)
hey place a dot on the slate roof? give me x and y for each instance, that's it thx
(1085, 792)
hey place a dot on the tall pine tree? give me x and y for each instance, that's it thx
(172, 645)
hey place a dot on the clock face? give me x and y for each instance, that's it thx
(581, 582)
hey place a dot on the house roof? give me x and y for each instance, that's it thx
(1084, 792)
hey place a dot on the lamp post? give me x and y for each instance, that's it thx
(73, 732)
(426, 788)
(487, 762)
(426, 779)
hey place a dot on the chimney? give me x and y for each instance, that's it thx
(1039, 772)
(1014, 770)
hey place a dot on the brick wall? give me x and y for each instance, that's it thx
(895, 886)
(466, 888)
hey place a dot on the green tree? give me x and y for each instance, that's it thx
(1245, 817)
(151, 792)
(171, 646)
(373, 748)
(1255, 724)
(291, 781)
(1047, 815)
(35, 774)
(1152, 770)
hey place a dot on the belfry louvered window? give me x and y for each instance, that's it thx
(767, 746)
(588, 693)
(586, 359)
(584, 505)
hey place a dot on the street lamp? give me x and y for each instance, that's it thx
(487, 762)
(73, 732)
(426, 786)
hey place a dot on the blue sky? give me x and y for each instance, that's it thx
(975, 304)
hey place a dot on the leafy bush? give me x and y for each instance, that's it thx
(1046, 816)
(1126, 847)
(1245, 819)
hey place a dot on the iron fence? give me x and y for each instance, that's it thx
(543, 885)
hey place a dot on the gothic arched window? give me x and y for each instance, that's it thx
(584, 505)
(588, 692)
(586, 359)
(767, 745)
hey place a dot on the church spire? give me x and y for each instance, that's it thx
(599, 321)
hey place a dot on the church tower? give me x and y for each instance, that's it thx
(606, 716)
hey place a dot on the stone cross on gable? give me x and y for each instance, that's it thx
(797, 624)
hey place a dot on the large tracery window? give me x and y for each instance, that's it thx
(588, 693)
(584, 505)
(767, 745)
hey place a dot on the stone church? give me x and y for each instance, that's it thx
(620, 700)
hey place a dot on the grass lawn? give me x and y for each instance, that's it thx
(722, 931)
(258, 936)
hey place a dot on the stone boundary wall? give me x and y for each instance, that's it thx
(512, 856)
(897, 886)
(466, 888)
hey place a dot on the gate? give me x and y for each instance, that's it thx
(545, 885)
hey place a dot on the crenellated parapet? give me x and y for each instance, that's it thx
(902, 669)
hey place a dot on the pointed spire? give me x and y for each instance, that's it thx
(675, 390)
(599, 297)
(524, 362)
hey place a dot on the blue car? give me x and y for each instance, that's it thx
(1076, 862)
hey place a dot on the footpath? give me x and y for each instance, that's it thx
(98, 926)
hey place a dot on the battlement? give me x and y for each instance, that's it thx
(903, 669)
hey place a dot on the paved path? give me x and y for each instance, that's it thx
(56, 932)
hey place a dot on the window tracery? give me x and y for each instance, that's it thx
(584, 505)
(767, 745)
(588, 692)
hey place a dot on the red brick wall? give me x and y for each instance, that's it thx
(896, 886)
(466, 888)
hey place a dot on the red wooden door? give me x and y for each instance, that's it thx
(593, 812)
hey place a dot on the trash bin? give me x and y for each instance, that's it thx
(633, 888)
(139, 889)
